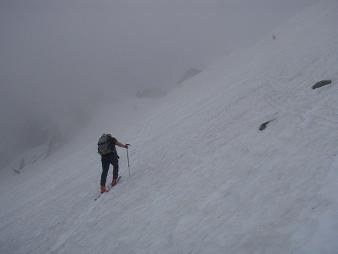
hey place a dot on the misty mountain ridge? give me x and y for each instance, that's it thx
(158, 92)
(241, 159)
(188, 74)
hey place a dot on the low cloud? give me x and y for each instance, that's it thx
(60, 58)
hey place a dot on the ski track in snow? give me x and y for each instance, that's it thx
(204, 178)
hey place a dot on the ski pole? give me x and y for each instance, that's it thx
(128, 159)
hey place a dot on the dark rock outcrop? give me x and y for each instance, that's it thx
(321, 83)
(265, 124)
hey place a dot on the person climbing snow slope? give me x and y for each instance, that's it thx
(107, 149)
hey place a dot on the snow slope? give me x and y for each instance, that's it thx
(204, 178)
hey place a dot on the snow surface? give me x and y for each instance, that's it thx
(204, 178)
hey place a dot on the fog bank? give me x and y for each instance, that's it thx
(59, 59)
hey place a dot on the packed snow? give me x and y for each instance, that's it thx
(204, 177)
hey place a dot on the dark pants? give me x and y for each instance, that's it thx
(106, 160)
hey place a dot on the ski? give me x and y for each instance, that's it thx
(98, 196)
(108, 189)
(117, 181)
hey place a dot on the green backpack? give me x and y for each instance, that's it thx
(105, 144)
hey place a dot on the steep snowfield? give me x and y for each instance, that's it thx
(204, 178)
